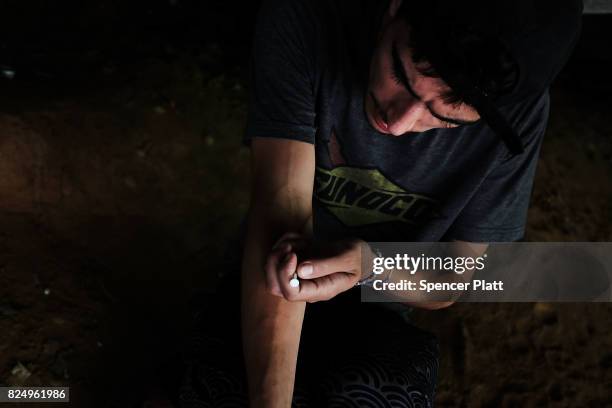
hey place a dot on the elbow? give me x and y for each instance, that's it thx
(431, 305)
(440, 305)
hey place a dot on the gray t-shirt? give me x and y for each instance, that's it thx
(308, 70)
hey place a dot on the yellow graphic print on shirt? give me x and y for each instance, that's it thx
(360, 196)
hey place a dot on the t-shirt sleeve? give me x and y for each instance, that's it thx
(282, 70)
(497, 212)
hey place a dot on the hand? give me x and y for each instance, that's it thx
(325, 270)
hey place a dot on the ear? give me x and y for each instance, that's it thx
(394, 6)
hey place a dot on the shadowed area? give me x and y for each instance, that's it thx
(123, 181)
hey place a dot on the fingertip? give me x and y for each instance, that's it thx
(305, 270)
(291, 263)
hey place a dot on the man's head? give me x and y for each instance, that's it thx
(435, 59)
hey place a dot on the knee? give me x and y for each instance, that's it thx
(376, 379)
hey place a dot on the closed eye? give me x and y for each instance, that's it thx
(399, 76)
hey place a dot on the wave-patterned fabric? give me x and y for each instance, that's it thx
(352, 355)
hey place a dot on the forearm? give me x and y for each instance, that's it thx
(441, 287)
(271, 325)
(422, 300)
(394, 278)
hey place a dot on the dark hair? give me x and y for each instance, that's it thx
(451, 40)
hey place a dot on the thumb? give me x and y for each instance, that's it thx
(316, 268)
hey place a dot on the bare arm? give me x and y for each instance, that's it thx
(460, 249)
(456, 249)
(281, 201)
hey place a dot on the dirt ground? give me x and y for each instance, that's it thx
(119, 193)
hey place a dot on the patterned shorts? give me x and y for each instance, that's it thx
(352, 354)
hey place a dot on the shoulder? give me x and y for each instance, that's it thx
(529, 118)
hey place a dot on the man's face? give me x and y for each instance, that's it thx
(398, 98)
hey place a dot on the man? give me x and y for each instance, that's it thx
(382, 121)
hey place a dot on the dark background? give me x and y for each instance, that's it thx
(122, 180)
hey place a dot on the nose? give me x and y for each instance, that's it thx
(404, 114)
